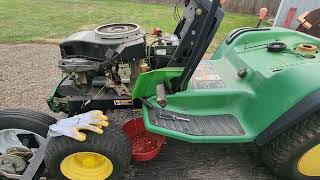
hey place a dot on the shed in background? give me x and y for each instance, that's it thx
(291, 10)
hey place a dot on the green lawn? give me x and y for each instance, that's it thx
(51, 20)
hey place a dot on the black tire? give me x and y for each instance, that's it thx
(113, 144)
(30, 120)
(283, 153)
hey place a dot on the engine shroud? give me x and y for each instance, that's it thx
(128, 40)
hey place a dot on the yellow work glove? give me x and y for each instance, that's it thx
(93, 121)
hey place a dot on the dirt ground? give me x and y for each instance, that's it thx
(27, 74)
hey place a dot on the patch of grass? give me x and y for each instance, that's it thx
(49, 20)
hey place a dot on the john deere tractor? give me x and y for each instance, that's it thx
(261, 86)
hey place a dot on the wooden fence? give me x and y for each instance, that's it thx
(243, 6)
(252, 6)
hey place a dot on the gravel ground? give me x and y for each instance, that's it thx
(27, 74)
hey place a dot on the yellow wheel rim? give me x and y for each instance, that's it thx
(309, 163)
(86, 166)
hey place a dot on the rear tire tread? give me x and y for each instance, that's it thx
(35, 116)
(279, 151)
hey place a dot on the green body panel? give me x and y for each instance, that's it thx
(275, 83)
(56, 104)
(146, 83)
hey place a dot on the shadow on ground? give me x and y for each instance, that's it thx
(181, 160)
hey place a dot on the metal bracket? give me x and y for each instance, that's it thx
(172, 117)
(36, 161)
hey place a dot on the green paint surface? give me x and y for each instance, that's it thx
(146, 83)
(275, 83)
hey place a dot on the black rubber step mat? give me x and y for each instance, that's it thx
(213, 125)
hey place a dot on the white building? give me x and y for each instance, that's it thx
(300, 5)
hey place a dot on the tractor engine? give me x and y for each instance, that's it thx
(107, 59)
(100, 67)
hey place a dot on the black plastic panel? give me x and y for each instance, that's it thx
(86, 44)
(237, 32)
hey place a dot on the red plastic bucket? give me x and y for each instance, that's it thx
(145, 145)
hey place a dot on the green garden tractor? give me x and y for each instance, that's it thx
(261, 86)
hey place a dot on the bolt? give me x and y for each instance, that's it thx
(198, 12)
(242, 73)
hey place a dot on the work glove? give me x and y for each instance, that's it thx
(93, 121)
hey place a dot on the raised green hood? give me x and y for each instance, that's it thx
(275, 82)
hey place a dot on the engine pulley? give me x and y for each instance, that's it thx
(117, 30)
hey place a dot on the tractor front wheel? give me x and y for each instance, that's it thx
(295, 154)
(100, 157)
